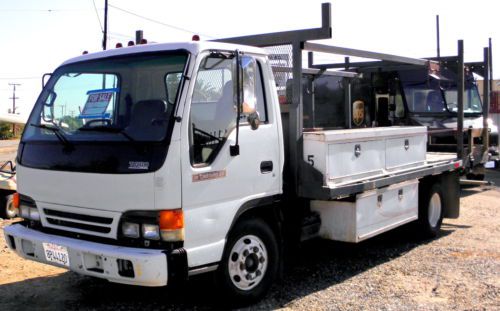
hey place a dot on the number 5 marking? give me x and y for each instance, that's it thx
(310, 159)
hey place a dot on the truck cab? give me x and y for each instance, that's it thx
(135, 147)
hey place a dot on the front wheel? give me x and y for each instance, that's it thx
(431, 211)
(250, 262)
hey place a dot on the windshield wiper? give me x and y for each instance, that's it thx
(57, 131)
(107, 129)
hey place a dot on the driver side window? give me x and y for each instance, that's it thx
(213, 108)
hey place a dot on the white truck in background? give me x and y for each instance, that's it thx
(149, 164)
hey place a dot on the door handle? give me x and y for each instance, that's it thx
(266, 167)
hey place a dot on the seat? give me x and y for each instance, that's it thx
(435, 102)
(383, 112)
(148, 120)
(225, 112)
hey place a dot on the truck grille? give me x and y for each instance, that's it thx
(78, 221)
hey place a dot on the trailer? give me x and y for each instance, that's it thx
(188, 158)
(8, 186)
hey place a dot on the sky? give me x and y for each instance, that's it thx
(37, 36)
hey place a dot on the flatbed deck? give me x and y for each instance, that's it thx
(435, 163)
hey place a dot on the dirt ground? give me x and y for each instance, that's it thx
(460, 269)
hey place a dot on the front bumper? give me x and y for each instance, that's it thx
(150, 266)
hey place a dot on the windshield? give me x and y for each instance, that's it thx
(424, 93)
(124, 98)
(472, 101)
(111, 115)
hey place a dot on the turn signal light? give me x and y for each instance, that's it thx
(171, 225)
(171, 219)
(16, 201)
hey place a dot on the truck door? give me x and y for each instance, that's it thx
(215, 185)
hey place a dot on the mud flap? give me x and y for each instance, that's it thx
(450, 183)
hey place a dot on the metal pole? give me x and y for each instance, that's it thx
(460, 101)
(438, 39)
(347, 96)
(491, 66)
(486, 98)
(295, 119)
(105, 34)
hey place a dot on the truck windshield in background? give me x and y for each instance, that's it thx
(116, 100)
(426, 94)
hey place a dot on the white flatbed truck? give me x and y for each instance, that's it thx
(149, 164)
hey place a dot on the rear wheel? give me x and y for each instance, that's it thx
(250, 262)
(431, 210)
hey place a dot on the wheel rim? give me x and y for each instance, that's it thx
(434, 210)
(10, 209)
(247, 262)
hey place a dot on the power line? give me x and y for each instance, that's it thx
(158, 22)
(97, 14)
(43, 10)
(20, 78)
(119, 35)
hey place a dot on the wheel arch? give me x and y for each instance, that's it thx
(266, 208)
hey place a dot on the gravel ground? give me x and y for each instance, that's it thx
(395, 271)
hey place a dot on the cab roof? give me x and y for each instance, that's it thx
(193, 47)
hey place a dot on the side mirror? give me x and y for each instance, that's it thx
(254, 120)
(48, 107)
(249, 100)
(46, 75)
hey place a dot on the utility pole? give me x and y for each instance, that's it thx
(14, 96)
(105, 34)
(14, 104)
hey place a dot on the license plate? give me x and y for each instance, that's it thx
(56, 253)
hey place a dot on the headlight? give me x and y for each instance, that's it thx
(153, 227)
(130, 229)
(150, 232)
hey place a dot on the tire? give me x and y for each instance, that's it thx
(431, 211)
(250, 262)
(10, 211)
(7, 208)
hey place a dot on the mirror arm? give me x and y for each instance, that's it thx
(234, 150)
